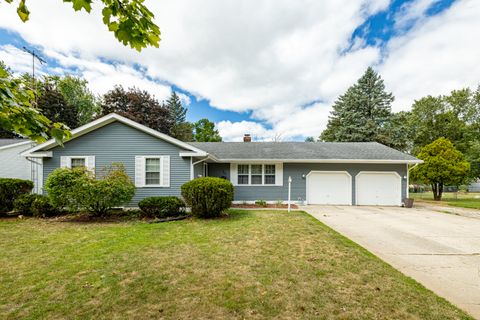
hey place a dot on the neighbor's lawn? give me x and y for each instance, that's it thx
(465, 200)
(251, 265)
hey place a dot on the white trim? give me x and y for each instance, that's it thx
(15, 144)
(328, 171)
(140, 171)
(378, 172)
(192, 154)
(377, 161)
(112, 117)
(44, 154)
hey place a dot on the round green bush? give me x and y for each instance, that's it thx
(23, 204)
(41, 207)
(161, 207)
(11, 189)
(208, 197)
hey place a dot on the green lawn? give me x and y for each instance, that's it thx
(465, 200)
(253, 264)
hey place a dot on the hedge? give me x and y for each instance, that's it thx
(161, 207)
(10, 190)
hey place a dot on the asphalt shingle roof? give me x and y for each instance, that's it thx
(6, 142)
(302, 150)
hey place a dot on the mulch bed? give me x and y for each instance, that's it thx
(268, 206)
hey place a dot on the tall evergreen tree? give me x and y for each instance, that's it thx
(181, 129)
(362, 113)
(178, 111)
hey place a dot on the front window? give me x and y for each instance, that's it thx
(269, 174)
(243, 172)
(152, 171)
(77, 163)
(256, 174)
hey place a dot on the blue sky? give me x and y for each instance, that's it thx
(276, 77)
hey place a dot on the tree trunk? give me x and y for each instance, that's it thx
(437, 189)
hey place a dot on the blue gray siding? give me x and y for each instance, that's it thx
(117, 142)
(296, 170)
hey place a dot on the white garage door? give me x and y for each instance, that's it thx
(378, 188)
(329, 187)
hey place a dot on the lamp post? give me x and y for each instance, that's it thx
(289, 191)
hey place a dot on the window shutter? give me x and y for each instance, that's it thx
(233, 174)
(279, 174)
(90, 164)
(139, 171)
(165, 175)
(65, 162)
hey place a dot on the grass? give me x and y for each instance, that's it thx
(255, 264)
(464, 200)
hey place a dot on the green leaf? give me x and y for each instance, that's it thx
(22, 11)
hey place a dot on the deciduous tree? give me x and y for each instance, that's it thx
(129, 20)
(19, 116)
(79, 97)
(443, 165)
(138, 105)
(54, 106)
(204, 131)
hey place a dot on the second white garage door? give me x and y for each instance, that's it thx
(329, 187)
(378, 188)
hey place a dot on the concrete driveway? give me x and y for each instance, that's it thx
(439, 250)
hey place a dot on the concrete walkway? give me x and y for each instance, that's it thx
(439, 250)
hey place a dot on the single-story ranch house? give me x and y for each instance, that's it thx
(361, 173)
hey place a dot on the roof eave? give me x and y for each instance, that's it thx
(372, 161)
(112, 117)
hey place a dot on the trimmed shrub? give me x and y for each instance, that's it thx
(161, 207)
(11, 189)
(41, 207)
(208, 197)
(77, 189)
(62, 187)
(23, 204)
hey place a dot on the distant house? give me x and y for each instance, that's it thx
(321, 173)
(474, 187)
(13, 164)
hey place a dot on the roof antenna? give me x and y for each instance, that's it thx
(40, 59)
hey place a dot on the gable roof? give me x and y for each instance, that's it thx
(112, 117)
(360, 152)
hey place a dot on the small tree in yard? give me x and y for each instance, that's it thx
(443, 165)
(208, 197)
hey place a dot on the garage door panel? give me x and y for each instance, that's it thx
(324, 187)
(378, 188)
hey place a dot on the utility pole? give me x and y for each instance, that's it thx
(34, 56)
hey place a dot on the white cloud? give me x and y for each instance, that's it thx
(18, 60)
(436, 56)
(270, 57)
(410, 12)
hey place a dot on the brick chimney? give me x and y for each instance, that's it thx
(247, 138)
